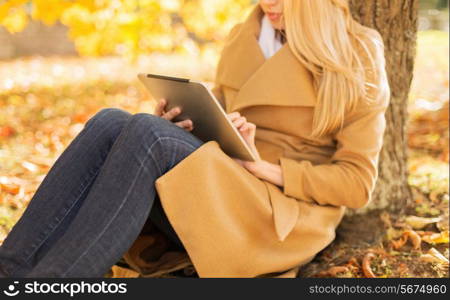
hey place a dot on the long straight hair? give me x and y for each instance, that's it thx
(326, 39)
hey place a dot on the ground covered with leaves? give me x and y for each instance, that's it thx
(44, 103)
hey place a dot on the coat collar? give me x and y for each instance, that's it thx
(279, 80)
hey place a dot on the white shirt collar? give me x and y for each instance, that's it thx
(267, 41)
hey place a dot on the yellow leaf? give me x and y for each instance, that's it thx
(15, 21)
(437, 238)
(89, 4)
(7, 6)
(49, 11)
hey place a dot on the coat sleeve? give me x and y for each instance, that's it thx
(350, 177)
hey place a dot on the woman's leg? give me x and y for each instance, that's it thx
(160, 220)
(119, 202)
(61, 193)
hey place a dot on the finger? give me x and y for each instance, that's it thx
(250, 127)
(234, 115)
(187, 127)
(239, 122)
(234, 118)
(244, 128)
(172, 113)
(185, 123)
(159, 111)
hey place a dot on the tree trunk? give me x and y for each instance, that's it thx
(396, 21)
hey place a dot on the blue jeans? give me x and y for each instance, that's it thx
(96, 198)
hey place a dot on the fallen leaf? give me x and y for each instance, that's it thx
(434, 255)
(421, 222)
(397, 244)
(10, 188)
(423, 233)
(414, 238)
(119, 272)
(367, 270)
(437, 238)
(30, 166)
(411, 235)
(443, 225)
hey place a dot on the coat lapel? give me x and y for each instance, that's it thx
(279, 80)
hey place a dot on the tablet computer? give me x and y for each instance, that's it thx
(199, 104)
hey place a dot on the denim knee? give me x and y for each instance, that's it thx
(109, 116)
(147, 128)
(144, 125)
(110, 120)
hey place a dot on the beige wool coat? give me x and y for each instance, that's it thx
(234, 224)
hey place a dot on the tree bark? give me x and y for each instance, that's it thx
(396, 21)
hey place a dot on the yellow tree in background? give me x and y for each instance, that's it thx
(131, 27)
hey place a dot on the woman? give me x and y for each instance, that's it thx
(308, 94)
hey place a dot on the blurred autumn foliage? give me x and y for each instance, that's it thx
(131, 27)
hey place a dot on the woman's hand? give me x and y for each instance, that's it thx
(260, 168)
(246, 129)
(264, 170)
(160, 112)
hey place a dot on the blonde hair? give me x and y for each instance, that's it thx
(326, 39)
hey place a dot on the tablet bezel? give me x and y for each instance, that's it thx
(143, 77)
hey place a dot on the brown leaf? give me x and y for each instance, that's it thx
(397, 244)
(411, 235)
(414, 238)
(367, 270)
